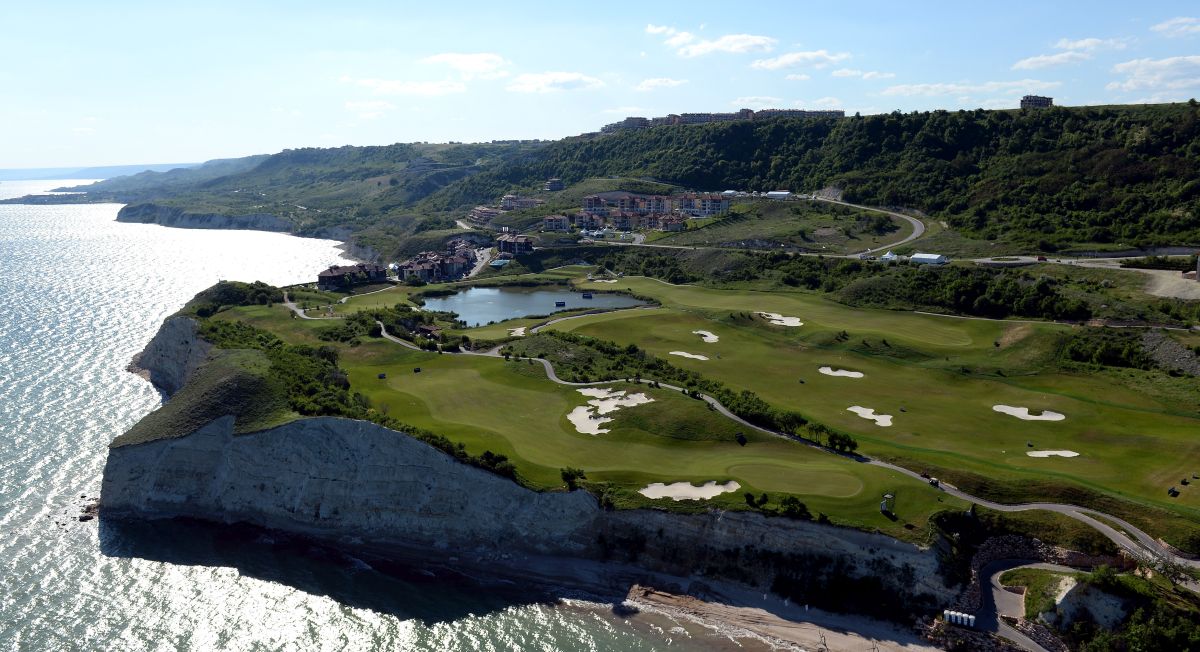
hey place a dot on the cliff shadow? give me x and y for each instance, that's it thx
(430, 593)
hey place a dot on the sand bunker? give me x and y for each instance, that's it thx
(1052, 454)
(780, 320)
(604, 280)
(688, 491)
(1023, 413)
(830, 371)
(587, 419)
(707, 336)
(685, 354)
(882, 420)
(517, 332)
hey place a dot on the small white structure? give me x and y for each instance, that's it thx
(729, 193)
(928, 259)
(889, 257)
(779, 194)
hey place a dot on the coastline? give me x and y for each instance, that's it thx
(728, 615)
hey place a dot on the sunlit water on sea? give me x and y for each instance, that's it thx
(81, 295)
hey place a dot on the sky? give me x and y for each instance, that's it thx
(117, 82)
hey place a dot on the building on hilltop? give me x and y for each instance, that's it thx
(628, 123)
(517, 202)
(347, 276)
(1036, 102)
(928, 259)
(603, 203)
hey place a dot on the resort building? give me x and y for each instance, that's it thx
(553, 184)
(434, 266)
(511, 243)
(347, 276)
(556, 223)
(703, 204)
(517, 202)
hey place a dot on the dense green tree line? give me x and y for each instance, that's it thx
(1046, 179)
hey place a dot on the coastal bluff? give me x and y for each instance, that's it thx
(179, 218)
(357, 484)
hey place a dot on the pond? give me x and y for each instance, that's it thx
(479, 306)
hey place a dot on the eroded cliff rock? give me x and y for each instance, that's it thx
(172, 355)
(179, 218)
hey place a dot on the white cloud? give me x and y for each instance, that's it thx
(799, 76)
(369, 109)
(756, 102)
(484, 65)
(546, 82)
(1160, 76)
(689, 45)
(399, 87)
(814, 58)
(819, 103)
(732, 43)
(1180, 26)
(1026, 85)
(1074, 51)
(1089, 44)
(869, 74)
(659, 82)
(1047, 60)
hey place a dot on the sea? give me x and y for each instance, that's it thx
(80, 294)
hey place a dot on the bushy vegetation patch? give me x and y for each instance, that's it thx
(1109, 347)
(227, 294)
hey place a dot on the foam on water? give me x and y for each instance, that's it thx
(82, 294)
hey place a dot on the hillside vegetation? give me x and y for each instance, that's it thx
(1035, 180)
(1044, 179)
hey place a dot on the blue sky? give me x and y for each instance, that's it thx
(139, 82)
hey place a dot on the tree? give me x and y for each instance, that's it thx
(572, 476)
(793, 508)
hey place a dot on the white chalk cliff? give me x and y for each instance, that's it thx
(343, 480)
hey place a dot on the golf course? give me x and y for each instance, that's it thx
(971, 402)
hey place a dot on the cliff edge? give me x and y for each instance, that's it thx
(358, 484)
(179, 218)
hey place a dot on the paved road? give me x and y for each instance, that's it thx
(918, 231)
(299, 312)
(918, 225)
(995, 601)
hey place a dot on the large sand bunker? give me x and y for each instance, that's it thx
(517, 332)
(685, 354)
(587, 419)
(882, 420)
(604, 280)
(707, 336)
(1052, 454)
(1023, 413)
(688, 491)
(845, 373)
(780, 320)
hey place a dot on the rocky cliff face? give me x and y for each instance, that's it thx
(177, 217)
(172, 355)
(359, 483)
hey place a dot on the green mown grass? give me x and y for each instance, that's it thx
(512, 409)
(939, 378)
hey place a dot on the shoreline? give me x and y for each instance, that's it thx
(717, 608)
